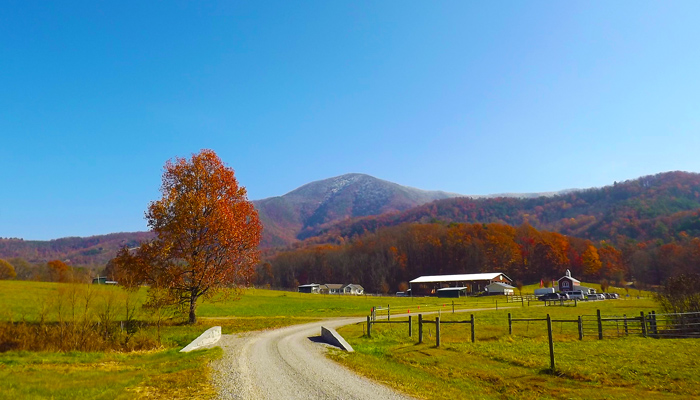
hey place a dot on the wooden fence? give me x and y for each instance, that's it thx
(421, 322)
(385, 312)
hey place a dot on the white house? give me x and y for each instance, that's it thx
(353, 289)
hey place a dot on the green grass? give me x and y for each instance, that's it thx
(499, 366)
(169, 374)
(163, 374)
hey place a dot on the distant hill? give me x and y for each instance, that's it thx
(661, 206)
(86, 251)
(303, 212)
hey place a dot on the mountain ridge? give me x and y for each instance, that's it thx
(655, 206)
(302, 211)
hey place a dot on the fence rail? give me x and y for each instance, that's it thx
(385, 312)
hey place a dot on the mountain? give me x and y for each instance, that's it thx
(656, 207)
(303, 212)
(662, 207)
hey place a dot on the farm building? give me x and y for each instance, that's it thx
(473, 283)
(455, 292)
(340, 288)
(500, 288)
(567, 283)
(334, 288)
(311, 288)
(102, 280)
(331, 288)
(353, 289)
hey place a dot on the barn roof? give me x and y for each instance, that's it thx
(448, 289)
(460, 277)
(501, 284)
(570, 278)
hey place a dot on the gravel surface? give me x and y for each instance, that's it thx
(289, 363)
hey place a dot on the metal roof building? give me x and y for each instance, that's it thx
(475, 283)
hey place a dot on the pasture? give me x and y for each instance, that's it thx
(503, 366)
(163, 372)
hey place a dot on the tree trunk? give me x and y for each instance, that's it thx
(193, 308)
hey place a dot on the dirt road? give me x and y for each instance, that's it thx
(289, 363)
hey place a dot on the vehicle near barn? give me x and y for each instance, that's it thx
(596, 296)
(542, 291)
(554, 296)
(576, 294)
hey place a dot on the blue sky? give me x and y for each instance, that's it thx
(467, 97)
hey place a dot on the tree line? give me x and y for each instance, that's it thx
(52, 271)
(386, 259)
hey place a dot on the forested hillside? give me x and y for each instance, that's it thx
(302, 212)
(385, 260)
(660, 207)
(84, 251)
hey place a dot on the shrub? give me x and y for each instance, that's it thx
(681, 294)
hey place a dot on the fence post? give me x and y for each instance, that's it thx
(388, 312)
(410, 326)
(510, 324)
(652, 321)
(437, 331)
(522, 301)
(420, 328)
(551, 342)
(600, 326)
(644, 324)
(472, 322)
(496, 304)
(369, 327)
(580, 328)
(624, 319)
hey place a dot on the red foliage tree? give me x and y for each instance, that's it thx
(207, 234)
(58, 270)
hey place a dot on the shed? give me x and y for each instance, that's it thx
(500, 288)
(455, 292)
(309, 288)
(102, 280)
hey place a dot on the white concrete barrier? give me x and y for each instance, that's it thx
(334, 338)
(210, 336)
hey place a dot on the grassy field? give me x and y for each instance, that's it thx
(162, 374)
(168, 374)
(501, 366)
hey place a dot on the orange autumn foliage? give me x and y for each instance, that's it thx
(207, 233)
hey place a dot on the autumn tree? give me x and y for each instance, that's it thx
(7, 271)
(207, 234)
(58, 270)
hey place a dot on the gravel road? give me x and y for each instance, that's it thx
(289, 363)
